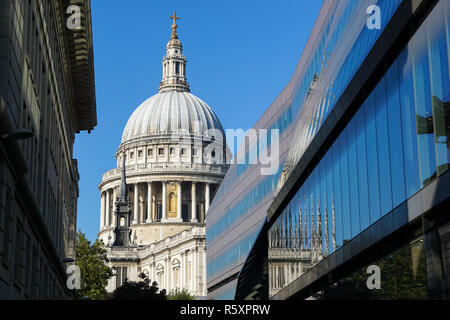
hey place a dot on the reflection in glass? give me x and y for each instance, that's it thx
(372, 160)
(353, 179)
(384, 170)
(439, 71)
(411, 165)
(288, 255)
(336, 200)
(403, 277)
(396, 143)
(363, 187)
(346, 221)
(424, 116)
(395, 135)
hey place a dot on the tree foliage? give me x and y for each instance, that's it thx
(141, 290)
(180, 294)
(90, 258)
(403, 277)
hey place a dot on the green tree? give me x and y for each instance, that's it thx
(90, 258)
(180, 294)
(140, 290)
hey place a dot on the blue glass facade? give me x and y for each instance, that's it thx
(331, 55)
(252, 198)
(396, 144)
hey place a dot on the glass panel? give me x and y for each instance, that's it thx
(303, 205)
(308, 199)
(322, 200)
(331, 224)
(345, 191)
(384, 169)
(336, 200)
(395, 136)
(372, 159)
(424, 116)
(439, 72)
(315, 211)
(403, 277)
(408, 124)
(363, 187)
(353, 178)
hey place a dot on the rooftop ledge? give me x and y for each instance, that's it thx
(165, 168)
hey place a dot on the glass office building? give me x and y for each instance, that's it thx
(239, 208)
(365, 185)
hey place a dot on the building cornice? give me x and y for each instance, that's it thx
(164, 171)
(139, 253)
(79, 45)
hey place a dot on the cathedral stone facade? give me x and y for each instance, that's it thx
(170, 163)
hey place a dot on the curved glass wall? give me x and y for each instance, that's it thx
(396, 143)
(237, 252)
(253, 197)
(334, 32)
(337, 53)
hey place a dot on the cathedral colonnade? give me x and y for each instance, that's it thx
(149, 206)
(179, 270)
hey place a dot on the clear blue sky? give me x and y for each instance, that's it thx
(241, 54)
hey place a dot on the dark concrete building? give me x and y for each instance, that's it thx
(47, 94)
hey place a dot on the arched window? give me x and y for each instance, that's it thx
(176, 275)
(160, 276)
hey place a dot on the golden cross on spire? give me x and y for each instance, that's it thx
(174, 25)
(174, 18)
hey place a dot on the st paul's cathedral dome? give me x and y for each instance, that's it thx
(170, 163)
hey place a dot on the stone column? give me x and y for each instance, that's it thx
(182, 275)
(115, 196)
(149, 203)
(141, 210)
(136, 203)
(204, 276)
(206, 197)
(108, 208)
(186, 263)
(194, 271)
(191, 270)
(167, 282)
(163, 199)
(193, 204)
(113, 219)
(154, 272)
(102, 210)
(179, 202)
(150, 273)
(154, 209)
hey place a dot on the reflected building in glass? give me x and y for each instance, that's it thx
(365, 185)
(239, 208)
(294, 247)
